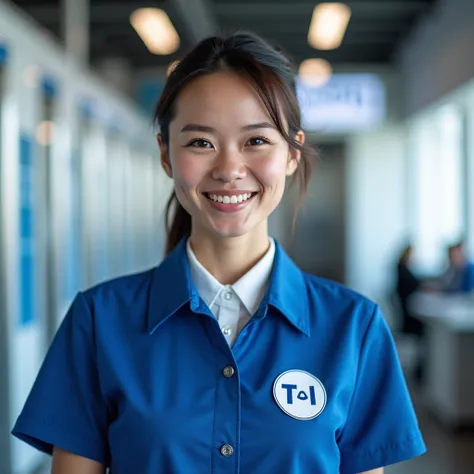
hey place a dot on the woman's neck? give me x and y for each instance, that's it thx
(229, 258)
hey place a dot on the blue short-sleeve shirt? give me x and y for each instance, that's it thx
(139, 377)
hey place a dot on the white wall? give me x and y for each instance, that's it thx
(376, 209)
(426, 123)
(438, 57)
(470, 176)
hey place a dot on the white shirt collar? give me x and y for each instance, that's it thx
(250, 288)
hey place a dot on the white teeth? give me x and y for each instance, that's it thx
(230, 199)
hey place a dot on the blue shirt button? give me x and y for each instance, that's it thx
(229, 372)
(227, 450)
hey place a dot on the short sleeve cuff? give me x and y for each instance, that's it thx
(355, 462)
(43, 435)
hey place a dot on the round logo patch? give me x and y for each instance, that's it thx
(300, 394)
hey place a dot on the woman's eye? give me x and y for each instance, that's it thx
(258, 141)
(199, 143)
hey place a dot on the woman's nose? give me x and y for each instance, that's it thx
(229, 167)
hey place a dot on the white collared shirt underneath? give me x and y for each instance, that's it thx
(233, 305)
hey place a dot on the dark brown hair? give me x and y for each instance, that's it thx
(271, 75)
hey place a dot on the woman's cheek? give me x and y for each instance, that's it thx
(188, 170)
(271, 170)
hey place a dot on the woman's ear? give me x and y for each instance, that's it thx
(164, 156)
(294, 157)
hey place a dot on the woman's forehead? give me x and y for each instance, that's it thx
(220, 98)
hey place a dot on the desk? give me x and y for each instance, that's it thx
(449, 353)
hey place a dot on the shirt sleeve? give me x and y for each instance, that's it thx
(381, 427)
(65, 407)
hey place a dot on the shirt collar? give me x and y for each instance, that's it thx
(206, 285)
(250, 288)
(172, 288)
(288, 291)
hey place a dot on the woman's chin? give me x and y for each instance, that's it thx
(227, 230)
(230, 233)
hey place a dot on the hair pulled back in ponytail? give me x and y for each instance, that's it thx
(180, 226)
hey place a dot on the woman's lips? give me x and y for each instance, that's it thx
(230, 201)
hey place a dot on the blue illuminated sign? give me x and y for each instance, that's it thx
(347, 103)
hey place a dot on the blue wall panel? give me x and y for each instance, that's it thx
(148, 94)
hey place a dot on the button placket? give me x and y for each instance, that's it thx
(226, 432)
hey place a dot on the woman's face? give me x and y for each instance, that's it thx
(228, 161)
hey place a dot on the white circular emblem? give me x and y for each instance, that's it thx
(300, 394)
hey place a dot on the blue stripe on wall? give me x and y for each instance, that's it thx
(49, 86)
(27, 236)
(3, 53)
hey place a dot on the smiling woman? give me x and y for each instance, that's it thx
(226, 357)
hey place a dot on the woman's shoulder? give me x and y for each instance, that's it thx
(344, 305)
(125, 288)
(333, 290)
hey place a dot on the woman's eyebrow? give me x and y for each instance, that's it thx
(256, 126)
(195, 127)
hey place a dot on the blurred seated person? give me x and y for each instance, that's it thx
(407, 284)
(459, 277)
